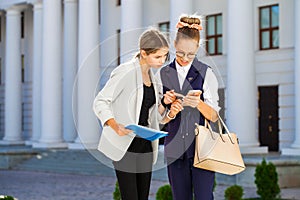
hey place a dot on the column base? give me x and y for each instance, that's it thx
(44, 145)
(11, 142)
(30, 142)
(78, 145)
(254, 150)
(291, 151)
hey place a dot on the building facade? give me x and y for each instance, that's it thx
(55, 54)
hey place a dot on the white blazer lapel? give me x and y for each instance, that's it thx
(139, 90)
(155, 85)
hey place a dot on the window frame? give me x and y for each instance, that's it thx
(216, 36)
(22, 25)
(118, 3)
(0, 28)
(269, 29)
(118, 47)
(166, 32)
(1, 79)
(99, 12)
(23, 68)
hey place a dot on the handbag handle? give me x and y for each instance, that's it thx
(211, 131)
(220, 121)
(206, 124)
(223, 124)
(226, 129)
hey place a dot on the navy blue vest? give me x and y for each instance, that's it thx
(181, 138)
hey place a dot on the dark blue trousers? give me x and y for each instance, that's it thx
(186, 180)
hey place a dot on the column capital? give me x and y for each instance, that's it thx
(37, 5)
(15, 9)
(33, 2)
(70, 1)
(12, 11)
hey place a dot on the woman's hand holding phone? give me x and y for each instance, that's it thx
(192, 99)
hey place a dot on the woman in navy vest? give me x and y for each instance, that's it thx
(199, 88)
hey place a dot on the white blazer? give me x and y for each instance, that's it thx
(121, 99)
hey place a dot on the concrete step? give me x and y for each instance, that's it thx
(13, 155)
(88, 163)
(287, 168)
(65, 161)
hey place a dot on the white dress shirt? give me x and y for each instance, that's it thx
(210, 85)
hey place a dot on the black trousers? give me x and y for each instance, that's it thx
(134, 170)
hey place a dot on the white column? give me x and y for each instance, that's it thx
(177, 8)
(87, 76)
(69, 67)
(108, 39)
(241, 85)
(131, 27)
(13, 83)
(51, 117)
(37, 72)
(295, 147)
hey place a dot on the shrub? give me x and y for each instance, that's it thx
(6, 198)
(266, 180)
(215, 184)
(164, 193)
(117, 193)
(234, 192)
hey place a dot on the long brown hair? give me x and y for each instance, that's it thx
(151, 41)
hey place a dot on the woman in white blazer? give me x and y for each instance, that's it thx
(131, 96)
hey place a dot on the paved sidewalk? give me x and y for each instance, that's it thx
(78, 175)
(29, 185)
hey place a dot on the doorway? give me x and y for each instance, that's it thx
(268, 117)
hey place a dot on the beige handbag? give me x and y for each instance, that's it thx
(216, 151)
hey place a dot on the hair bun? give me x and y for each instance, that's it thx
(194, 19)
(189, 27)
(191, 22)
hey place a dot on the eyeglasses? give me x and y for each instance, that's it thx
(188, 55)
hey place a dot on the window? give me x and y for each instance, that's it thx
(1, 71)
(119, 46)
(99, 12)
(23, 68)
(269, 27)
(214, 39)
(118, 2)
(0, 29)
(22, 25)
(164, 27)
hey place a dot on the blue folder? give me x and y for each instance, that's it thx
(147, 133)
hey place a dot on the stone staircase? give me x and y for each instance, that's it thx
(287, 167)
(87, 162)
(13, 155)
(65, 161)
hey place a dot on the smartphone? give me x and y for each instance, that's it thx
(195, 92)
(179, 96)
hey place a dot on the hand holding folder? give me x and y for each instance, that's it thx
(146, 133)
